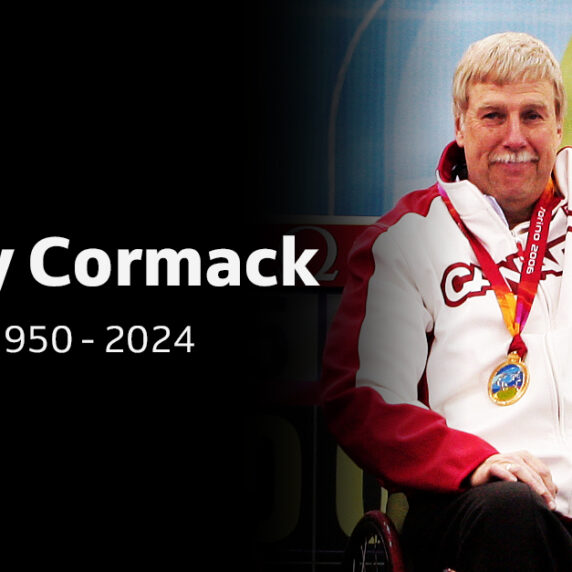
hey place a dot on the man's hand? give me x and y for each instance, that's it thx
(519, 466)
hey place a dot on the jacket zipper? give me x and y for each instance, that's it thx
(550, 359)
(546, 305)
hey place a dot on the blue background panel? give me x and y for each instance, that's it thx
(362, 106)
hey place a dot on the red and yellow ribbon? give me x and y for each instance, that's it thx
(515, 309)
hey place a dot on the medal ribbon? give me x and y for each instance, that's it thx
(515, 309)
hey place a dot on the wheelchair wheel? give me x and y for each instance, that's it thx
(373, 546)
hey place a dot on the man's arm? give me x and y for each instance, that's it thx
(403, 443)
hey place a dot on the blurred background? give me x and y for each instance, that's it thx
(351, 109)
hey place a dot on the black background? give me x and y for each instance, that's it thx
(128, 130)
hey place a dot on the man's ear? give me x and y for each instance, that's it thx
(459, 131)
(560, 130)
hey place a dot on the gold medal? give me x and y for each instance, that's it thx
(509, 381)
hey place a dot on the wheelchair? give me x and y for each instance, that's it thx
(374, 546)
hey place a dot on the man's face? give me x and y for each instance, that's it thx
(510, 135)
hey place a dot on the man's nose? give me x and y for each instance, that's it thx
(515, 137)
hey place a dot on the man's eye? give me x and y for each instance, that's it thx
(494, 115)
(532, 115)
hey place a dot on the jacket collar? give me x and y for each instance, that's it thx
(452, 163)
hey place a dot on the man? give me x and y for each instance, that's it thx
(447, 371)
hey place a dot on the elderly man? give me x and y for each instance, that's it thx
(448, 368)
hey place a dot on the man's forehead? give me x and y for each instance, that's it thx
(538, 93)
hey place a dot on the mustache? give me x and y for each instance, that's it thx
(513, 157)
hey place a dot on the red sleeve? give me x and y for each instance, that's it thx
(406, 447)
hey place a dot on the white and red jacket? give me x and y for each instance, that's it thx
(419, 332)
